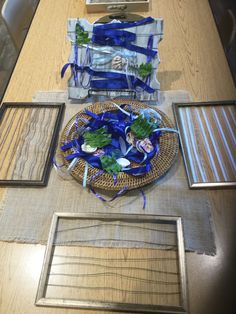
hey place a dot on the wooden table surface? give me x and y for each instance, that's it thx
(192, 58)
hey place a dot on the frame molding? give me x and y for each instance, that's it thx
(192, 183)
(41, 299)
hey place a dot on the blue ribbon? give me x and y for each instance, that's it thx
(149, 46)
(114, 40)
(144, 198)
(94, 177)
(116, 122)
(114, 80)
(119, 193)
(121, 25)
(75, 73)
(111, 35)
(149, 59)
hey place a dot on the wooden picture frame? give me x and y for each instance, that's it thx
(43, 300)
(208, 139)
(25, 128)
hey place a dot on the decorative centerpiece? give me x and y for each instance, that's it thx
(116, 58)
(119, 145)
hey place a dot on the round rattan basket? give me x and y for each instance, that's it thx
(161, 163)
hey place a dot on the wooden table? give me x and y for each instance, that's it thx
(192, 59)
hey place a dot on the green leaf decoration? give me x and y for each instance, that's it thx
(144, 70)
(110, 165)
(82, 37)
(142, 127)
(98, 138)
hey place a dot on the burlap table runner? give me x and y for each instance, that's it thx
(27, 212)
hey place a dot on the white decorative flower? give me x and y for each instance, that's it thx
(123, 162)
(88, 149)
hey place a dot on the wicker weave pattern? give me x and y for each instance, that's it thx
(161, 163)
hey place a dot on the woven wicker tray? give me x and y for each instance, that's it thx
(161, 163)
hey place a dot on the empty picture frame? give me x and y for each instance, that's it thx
(208, 139)
(28, 137)
(95, 276)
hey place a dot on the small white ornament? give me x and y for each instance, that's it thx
(88, 149)
(118, 63)
(123, 162)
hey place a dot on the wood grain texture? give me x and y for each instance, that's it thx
(124, 275)
(25, 137)
(192, 58)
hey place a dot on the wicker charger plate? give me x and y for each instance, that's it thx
(161, 163)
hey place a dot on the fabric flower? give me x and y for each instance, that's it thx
(99, 153)
(145, 145)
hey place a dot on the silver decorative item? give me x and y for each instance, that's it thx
(176, 284)
(208, 136)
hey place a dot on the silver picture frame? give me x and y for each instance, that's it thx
(114, 6)
(208, 148)
(42, 300)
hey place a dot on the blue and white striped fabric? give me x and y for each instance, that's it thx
(209, 135)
